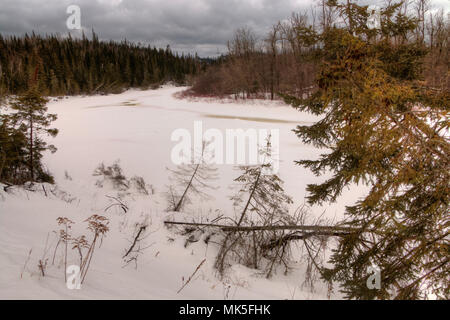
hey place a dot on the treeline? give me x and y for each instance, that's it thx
(284, 60)
(260, 69)
(68, 66)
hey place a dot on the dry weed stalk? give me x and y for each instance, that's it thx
(64, 237)
(191, 276)
(98, 225)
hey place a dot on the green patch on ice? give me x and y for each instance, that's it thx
(130, 103)
(256, 119)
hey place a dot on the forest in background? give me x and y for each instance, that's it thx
(68, 66)
(34, 67)
(285, 60)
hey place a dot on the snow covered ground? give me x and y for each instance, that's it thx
(135, 127)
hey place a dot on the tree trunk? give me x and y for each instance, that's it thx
(178, 206)
(31, 150)
(304, 228)
(249, 198)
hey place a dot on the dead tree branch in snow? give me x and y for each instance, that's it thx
(138, 245)
(26, 263)
(192, 275)
(136, 240)
(118, 203)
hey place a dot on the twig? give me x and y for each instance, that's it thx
(192, 275)
(136, 239)
(26, 262)
(119, 203)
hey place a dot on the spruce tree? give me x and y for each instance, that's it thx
(261, 196)
(13, 145)
(191, 179)
(382, 127)
(32, 119)
(262, 201)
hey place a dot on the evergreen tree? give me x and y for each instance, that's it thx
(382, 127)
(13, 145)
(262, 201)
(32, 119)
(261, 194)
(191, 180)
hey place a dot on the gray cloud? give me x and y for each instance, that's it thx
(201, 26)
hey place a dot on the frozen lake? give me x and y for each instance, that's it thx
(136, 128)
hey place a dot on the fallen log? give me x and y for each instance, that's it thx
(300, 232)
(302, 236)
(317, 230)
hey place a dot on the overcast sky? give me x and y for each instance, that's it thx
(202, 26)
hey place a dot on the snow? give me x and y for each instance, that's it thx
(136, 128)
